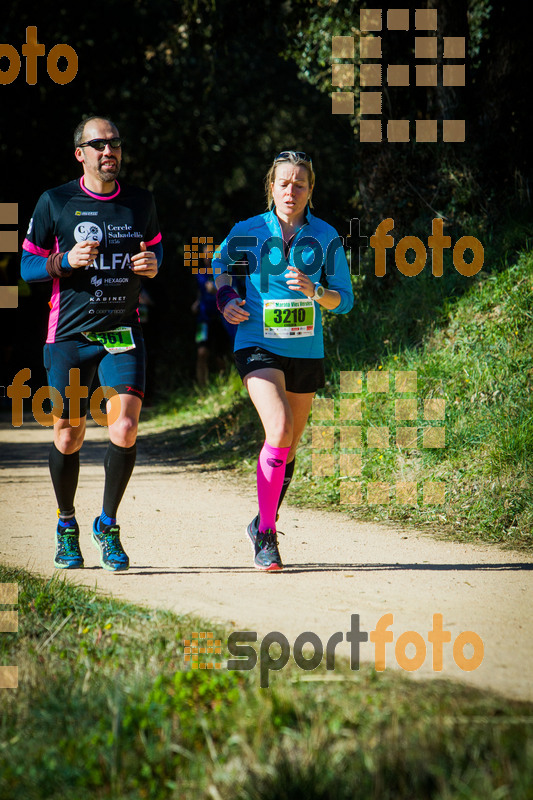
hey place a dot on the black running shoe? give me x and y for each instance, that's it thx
(68, 554)
(112, 555)
(266, 553)
(253, 528)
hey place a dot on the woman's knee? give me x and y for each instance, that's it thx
(279, 430)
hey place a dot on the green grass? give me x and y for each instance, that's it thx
(106, 708)
(477, 356)
(481, 363)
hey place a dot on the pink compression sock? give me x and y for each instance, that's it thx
(270, 474)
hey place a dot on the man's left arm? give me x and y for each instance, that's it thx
(147, 261)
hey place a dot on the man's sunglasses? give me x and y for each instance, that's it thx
(285, 154)
(100, 144)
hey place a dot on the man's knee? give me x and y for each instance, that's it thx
(69, 439)
(123, 432)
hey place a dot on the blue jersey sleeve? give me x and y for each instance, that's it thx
(33, 267)
(338, 275)
(158, 250)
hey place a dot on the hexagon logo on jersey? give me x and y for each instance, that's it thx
(87, 231)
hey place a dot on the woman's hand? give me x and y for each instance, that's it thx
(234, 313)
(299, 282)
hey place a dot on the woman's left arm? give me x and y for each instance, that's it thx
(298, 281)
(338, 277)
(338, 297)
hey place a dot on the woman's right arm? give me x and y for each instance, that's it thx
(228, 301)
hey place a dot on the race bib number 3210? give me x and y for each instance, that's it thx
(284, 318)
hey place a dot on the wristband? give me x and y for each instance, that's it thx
(224, 295)
(55, 268)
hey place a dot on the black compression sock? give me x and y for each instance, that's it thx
(64, 471)
(118, 464)
(289, 471)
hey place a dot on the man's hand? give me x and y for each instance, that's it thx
(83, 254)
(144, 263)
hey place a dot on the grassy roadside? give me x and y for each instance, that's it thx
(106, 708)
(478, 358)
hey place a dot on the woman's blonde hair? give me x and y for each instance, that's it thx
(289, 157)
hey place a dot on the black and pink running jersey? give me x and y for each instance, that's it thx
(106, 294)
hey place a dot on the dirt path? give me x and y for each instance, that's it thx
(184, 531)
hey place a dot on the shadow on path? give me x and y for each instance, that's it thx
(322, 567)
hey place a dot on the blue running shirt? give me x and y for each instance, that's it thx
(316, 250)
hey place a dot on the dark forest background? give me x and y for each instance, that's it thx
(206, 93)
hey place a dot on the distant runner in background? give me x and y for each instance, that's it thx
(279, 350)
(214, 336)
(95, 240)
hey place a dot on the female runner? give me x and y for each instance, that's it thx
(295, 267)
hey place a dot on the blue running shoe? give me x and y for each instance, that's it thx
(112, 555)
(68, 554)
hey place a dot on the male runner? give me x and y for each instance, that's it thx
(91, 238)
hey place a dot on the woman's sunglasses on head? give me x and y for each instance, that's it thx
(286, 154)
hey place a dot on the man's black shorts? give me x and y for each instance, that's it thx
(302, 375)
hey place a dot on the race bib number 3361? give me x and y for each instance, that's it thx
(284, 318)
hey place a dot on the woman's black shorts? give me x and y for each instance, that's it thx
(302, 375)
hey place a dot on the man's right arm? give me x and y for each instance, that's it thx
(35, 268)
(40, 259)
(41, 267)
(39, 243)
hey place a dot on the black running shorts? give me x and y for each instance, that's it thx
(302, 375)
(124, 372)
